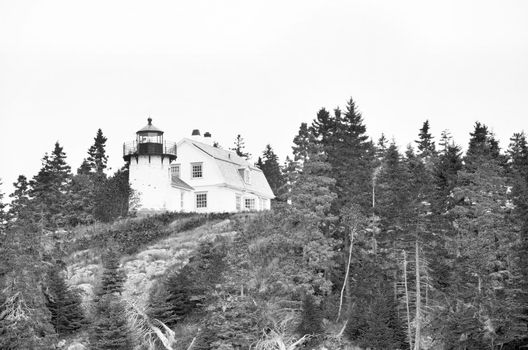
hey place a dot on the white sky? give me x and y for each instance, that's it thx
(259, 69)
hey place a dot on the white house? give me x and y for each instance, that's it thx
(192, 175)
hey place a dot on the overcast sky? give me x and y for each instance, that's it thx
(253, 68)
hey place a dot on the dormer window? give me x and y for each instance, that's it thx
(196, 170)
(244, 174)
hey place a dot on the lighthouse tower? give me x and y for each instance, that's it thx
(149, 158)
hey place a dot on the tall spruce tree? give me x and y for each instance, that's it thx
(311, 194)
(109, 327)
(240, 147)
(301, 144)
(50, 190)
(97, 157)
(482, 147)
(20, 201)
(351, 155)
(482, 264)
(63, 303)
(272, 171)
(425, 143)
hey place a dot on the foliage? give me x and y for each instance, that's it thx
(109, 327)
(239, 147)
(271, 169)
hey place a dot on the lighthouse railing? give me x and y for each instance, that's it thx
(132, 148)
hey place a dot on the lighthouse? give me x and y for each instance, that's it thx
(149, 158)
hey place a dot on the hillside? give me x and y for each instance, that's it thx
(176, 242)
(148, 264)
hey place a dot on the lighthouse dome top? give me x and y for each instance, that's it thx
(150, 128)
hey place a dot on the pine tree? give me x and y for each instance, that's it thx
(446, 167)
(19, 210)
(109, 329)
(240, 147)
(351, 155)
(311, 194)
(112, 278)
(24, 318)
(518, 170)
(50, 190)
(482, 147)
(97, 157)
(426, 146)
(171, 302)
(63, 303)
(482, 268)
(4, 217)
(381, 147)
(324, 127)
(301, 144)
(113, 196)
(109, 326)
(272, 171)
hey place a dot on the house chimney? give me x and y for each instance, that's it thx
(208, 139)
(196, 135)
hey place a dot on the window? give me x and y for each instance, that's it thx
(262, 203)
(249, 203)
(201, 200)
(244, 174)
(175, 170)
(181, 200)
(196, 170)
(246, 177)
(238, 202)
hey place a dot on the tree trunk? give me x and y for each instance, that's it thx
(409, 330)
(417, 318)
(345, 282)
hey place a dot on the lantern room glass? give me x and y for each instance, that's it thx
(149, 137)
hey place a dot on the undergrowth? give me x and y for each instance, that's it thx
(130, 235)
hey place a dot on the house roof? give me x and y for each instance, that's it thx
(179, 183)
(229, 164)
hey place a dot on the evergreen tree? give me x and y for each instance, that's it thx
(324, 127)
(50, 190)
(112, 278)
(240, 147)
(25, 322)
(97, 157)
(381, 147)
(259, 164)
(4, 218)
(109, 329)
(171, 302)
(426, 146)
(19, 210)
(311, 194)
(113, 197)
(482, 147)
(63, 303)
(351, 155)
(482, 269)
(272, 171)
(81, 206)
(301, 144)
(518, 170)
(446, 167)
